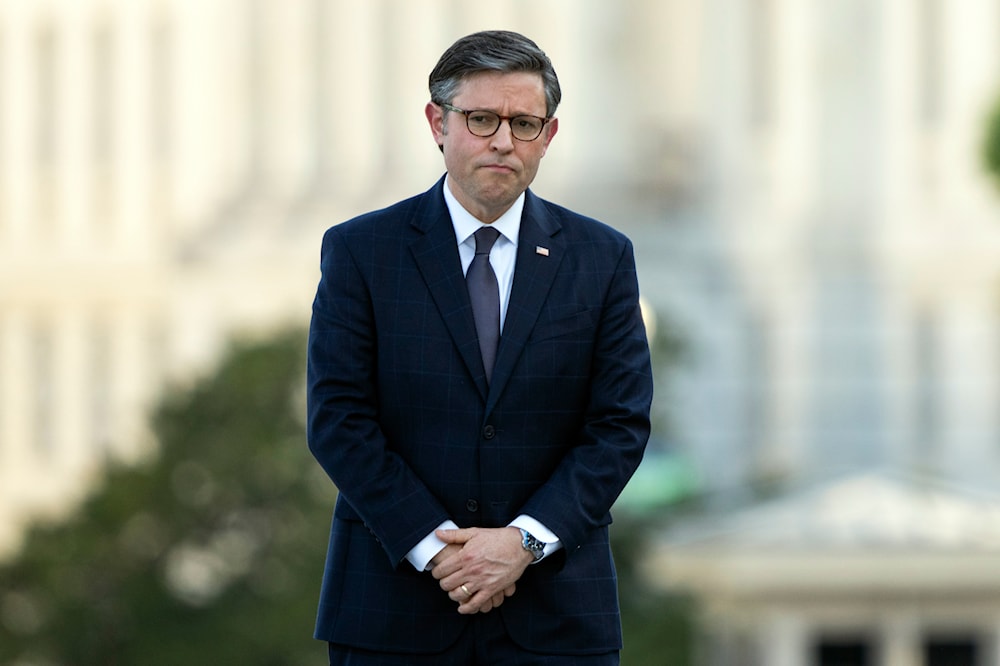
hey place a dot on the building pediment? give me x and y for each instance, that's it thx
(874, 531)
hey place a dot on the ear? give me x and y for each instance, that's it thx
(550, 131)
(435, 118)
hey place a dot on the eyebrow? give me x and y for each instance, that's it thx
(514, 115)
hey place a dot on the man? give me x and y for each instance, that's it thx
(480, 399)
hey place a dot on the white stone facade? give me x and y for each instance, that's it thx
(167, 168)
(801, 179)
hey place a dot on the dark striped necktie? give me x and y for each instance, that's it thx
(484, 292)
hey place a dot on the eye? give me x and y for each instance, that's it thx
(482, 123)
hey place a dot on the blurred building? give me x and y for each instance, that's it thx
(801, 179)
(872, 569)
(840, 293)
(167, 168)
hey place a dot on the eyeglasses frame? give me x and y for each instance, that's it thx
(509, 119)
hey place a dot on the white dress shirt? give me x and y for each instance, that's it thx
(503, 256)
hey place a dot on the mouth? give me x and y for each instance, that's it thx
(498, 168)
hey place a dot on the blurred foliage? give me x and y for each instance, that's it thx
(669, 349)
(212, 552)
(659, 628)
(991, 143)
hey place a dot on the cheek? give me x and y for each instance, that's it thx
(531, 159)
(453, 158)
(456, 151)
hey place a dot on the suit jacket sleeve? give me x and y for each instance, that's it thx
(578, 496)
(343, 429)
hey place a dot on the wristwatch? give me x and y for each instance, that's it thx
(532, 545)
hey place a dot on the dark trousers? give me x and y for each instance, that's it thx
(483, 643)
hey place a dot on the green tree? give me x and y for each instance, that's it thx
(209, 554)
(991, 143)
(659, 627)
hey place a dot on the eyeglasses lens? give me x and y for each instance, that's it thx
(485, 123)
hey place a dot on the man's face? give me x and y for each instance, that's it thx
(488, 173)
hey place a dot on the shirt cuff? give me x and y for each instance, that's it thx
(540, 532)
(422, 554)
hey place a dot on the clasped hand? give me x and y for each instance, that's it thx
(480, 566)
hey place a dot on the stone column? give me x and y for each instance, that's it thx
(901, 641)
(784, 640)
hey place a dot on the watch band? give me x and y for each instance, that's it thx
(532, 545)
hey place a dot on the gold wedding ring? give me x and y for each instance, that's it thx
(465, 589)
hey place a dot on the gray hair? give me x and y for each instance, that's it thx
(492, 51)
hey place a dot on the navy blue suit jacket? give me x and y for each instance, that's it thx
(402, 419)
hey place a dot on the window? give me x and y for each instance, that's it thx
(103, 125)
(927, 397)
(951, 651)
(103, 49)
(46, 107)
(101, 387)
(846, 651)
(930, 58)
(4, 94)
(161, 84)
(46, 102)
(44, 373)
(761, 62)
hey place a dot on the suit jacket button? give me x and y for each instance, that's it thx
(489, 432)
(472, 505)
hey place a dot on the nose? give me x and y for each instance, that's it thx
(503, 138)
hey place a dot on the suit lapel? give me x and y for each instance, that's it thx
(436, 254)
(539, 253)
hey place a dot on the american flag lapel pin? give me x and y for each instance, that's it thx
(544, 251)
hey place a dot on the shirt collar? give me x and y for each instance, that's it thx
(508, 224)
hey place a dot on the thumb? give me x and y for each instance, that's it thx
(455, 536)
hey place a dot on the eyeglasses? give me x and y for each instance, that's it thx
(486, 123)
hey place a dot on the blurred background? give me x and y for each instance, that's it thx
(811, 189)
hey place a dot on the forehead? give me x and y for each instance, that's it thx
(522, 92)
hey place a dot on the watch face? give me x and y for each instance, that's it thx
(532, 545)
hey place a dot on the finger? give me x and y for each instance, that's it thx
(461, 594)
(478, 602)
(509, 592)
(445, 569)
(471, 601)
(470, 608)
(444, 554)
(448, 567)
(452, 581)
(455, 536)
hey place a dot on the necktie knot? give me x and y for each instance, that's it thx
(485, 238)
